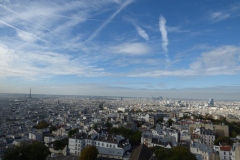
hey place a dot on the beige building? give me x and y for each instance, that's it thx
(235, 152)
(220, 130)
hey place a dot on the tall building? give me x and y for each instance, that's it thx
(30, 94)
(210, 102)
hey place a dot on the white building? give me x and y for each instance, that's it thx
(36, 136)
(203, 151)
(225, 152)
(112, 146)
(235, 152)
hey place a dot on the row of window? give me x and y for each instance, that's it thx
(97, 143)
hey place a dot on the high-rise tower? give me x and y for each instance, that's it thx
(30, 94)
(210, 102)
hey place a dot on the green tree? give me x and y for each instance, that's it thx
(223, 139)
(135, 138)
(234, 134)
(160, 119)
(89, 153)
(36, 151)
(60, 144)
(53, 128)
(170, 122)
(42, 124)
(72, 132)
(175, 153)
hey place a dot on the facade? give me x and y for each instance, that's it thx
(203, 151)
(235, 152)
(210, 102)
(112, 146)
(36, 136)
(225, 152)
(146, 139)
(220, 130)
(151, 139)
(207, 136)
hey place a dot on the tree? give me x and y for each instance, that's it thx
(72, 132)
(108, 125)
(135, 138)
(36, 151)
(223, 139)
(89, 153)
(41, 125)
(53, 128)
(176, 153)
(60, 144)
(160, 119)
(170, 121)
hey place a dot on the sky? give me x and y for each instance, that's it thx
(138, 48)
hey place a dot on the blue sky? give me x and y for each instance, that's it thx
(169, 48)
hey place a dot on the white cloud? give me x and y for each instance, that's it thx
(219, 61)
(218, 16)
(26, 36)
(163, 30)
(222, 56)
(131, 49)
(95, 33)
(176, 29)
(142, 33)
(35, 64)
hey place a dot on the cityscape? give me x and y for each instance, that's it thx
(119, 80)
(104, 122)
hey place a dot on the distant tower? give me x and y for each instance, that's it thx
(210, 102)
(30, 94)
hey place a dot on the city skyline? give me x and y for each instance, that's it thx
(120, 48)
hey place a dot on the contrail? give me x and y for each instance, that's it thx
(21, 30)
(95, 33)
(163, 30)
(10, 10)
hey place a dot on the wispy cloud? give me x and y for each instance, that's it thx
(141, 32)
(229, 11)
(176, 29)
(218, 16)
(131, 49)
(95, 33)
(40, 64)
(23, 34)
(163, 30)
(218, 61)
